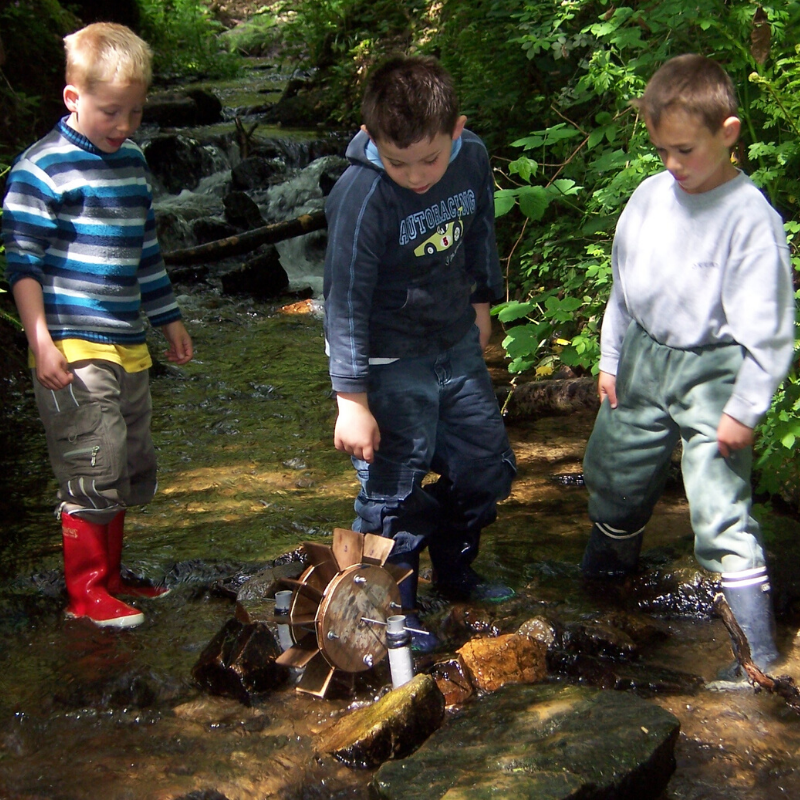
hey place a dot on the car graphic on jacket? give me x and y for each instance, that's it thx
(444, 238)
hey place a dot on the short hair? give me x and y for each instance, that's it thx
(105, 52)
(408, 99)
(694, 83)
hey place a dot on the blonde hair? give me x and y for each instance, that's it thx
(106, 52)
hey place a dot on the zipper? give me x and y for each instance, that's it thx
(83, 451)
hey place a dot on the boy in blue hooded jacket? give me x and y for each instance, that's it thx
(410, 272)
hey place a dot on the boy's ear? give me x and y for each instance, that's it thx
(459, 128)
(364, 128)
(71, 97)
(730, 130)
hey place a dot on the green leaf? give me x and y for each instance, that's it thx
(524, 167)
(514, 310)
(504, 201)
(525, 340)
(533, 201)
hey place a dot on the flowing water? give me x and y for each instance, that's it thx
(247, 473)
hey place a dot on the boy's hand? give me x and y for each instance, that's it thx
(483, 319)
(52, 369)
(607, 388)
(732, 435)
(356, 431)
(180, 343)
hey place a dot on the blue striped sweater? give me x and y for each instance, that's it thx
(81, 222)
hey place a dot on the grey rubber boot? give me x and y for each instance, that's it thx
(611, 552)
(749, 597)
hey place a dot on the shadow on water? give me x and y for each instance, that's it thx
(247, 473)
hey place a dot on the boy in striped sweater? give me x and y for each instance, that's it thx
(83, 261)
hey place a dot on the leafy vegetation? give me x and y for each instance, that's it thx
(577, 169)
(548, 84)
(184, 38)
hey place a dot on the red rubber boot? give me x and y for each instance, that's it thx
(86, 572)
(115, 583)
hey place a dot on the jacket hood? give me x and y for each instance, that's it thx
(357, 152)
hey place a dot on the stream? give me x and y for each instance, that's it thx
(247, 472)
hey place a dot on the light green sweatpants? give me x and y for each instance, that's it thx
(664, 395)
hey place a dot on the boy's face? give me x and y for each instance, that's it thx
(698, 159)
(422, 164)
(107, 115)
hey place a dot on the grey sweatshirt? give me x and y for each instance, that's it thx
(704, 269)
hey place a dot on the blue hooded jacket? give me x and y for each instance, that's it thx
(402, 269)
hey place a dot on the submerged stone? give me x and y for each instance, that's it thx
(541, 743)
(239, 662)
(453, 681)
(603, 673)
(492, 663)
(598, 639)
(393, 727)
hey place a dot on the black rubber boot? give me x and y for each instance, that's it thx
(466, 585)
(748, 595)
(422, 640)
(611, 552)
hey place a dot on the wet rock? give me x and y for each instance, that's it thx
(239, 662)
(391, 728)
(209, 106)
(178, 161)
(262, 276)
(467, 621)
(604, 674)
(642, 629)
(298, 109)
(242, 211)
(179, 109)
(542, 630)
(544, 742)
(680, 590)
(453, 681)
(256, 172)
(492, 663)
(174, 232)
(168, 110)
(333, 170)
(597, 639)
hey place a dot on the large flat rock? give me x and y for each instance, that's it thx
(544, 743)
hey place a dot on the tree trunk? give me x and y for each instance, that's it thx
(551, 397)
(248, 241)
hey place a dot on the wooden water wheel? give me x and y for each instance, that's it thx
(339, 608)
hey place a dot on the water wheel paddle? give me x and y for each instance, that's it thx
(339, 607)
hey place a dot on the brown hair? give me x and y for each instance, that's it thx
(106, 52)
(694, 83)
(408, 99)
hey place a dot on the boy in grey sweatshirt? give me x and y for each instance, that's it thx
(697, 335)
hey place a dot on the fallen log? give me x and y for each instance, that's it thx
(549, 397)
(247, 241)
(783, 686)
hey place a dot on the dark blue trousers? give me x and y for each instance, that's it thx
(436, 414)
